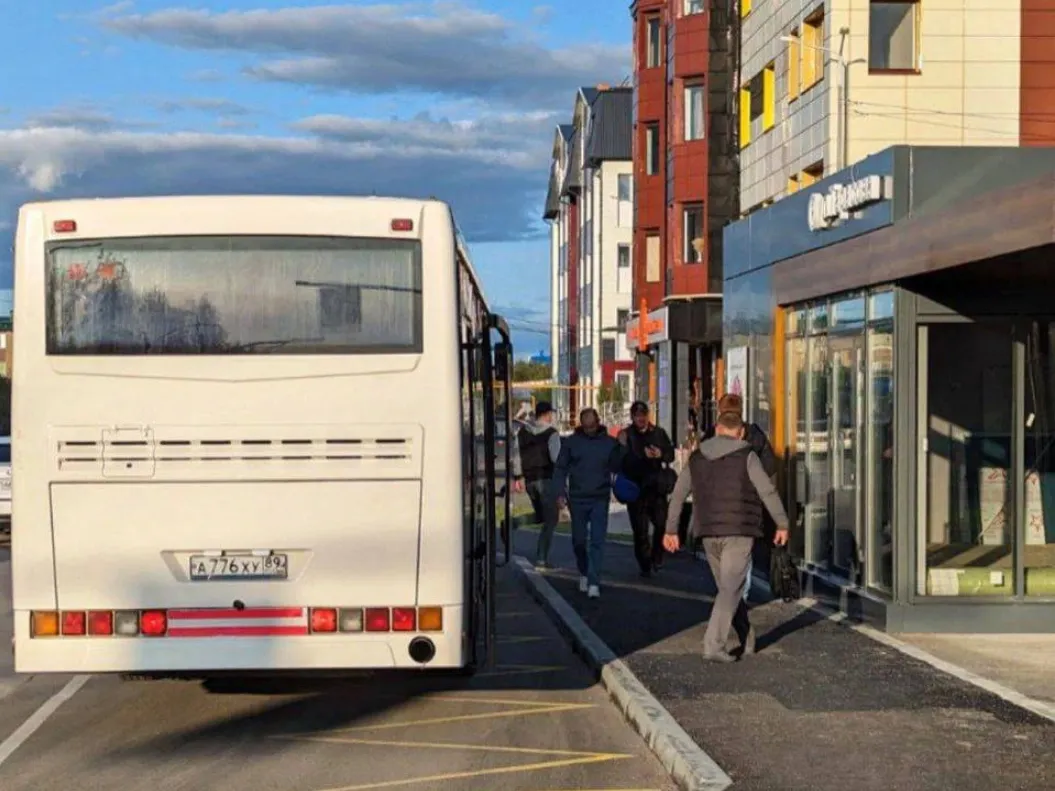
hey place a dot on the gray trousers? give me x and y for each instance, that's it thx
(730, 561)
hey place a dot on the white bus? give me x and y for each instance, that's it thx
(252, 433)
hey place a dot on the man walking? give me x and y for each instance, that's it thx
(755, 437)
(647, 449)
(583, 482)
(730, 489)
(539, 446)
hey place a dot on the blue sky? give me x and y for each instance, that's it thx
(453, 99)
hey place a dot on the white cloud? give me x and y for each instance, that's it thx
(494, 188)
(221, 107)
(432, 48)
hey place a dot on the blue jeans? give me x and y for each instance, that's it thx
(589, 518)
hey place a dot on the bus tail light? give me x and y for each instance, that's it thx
(73, 623)
(101, 623)
(377, 619)
(402, 225)
(44, 624)
(153, 623)
(126, 623)
(430, 619)
(404, 619)
(351, 620)
(323, 619)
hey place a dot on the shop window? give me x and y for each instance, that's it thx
(653, 43)
(1039, 551)
(794, 54)
(652, 149)
(797, 427)
(966, 539)
(695, 115)
(769, 97)
(693, 234)
(879, 472)
(893, 36)
(812, 48)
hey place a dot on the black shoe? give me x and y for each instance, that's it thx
(646, 573)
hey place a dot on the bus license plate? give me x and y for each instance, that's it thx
(239, 567)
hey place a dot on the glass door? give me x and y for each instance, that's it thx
(847, 400)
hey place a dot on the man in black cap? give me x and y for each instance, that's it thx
(648, 452)
(539, 446)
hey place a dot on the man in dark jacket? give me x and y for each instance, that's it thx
(583, 483)
(647, 448)
(730, 491)
(538, 444)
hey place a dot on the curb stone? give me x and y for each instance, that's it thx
(691, 768)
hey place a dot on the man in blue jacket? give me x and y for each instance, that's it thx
(583, 482)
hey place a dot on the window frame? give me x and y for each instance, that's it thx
(652, 148)
(915, 68)
(653, 43)
(689, 256)
(687, 6)
(691, 88)
(812, 49)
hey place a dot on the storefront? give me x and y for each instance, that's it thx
(677, 347)
(892, 329)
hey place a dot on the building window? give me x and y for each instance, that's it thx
(695, 117)
(812, 70)
(625, 186)
(652, 149)
(622, 316)
(893, 36)
(745, 116)
(692, 228)
(794, 55)
(693, 7)
(654, 46)
(769, 97)
(623, 256)
(607, 350)
(811, 175)
(757, 97)
(652, 268)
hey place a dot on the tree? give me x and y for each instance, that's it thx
(527, 371)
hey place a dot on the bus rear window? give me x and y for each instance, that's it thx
(216, 295)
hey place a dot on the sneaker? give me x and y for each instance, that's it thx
(584, 584)
(595, 592)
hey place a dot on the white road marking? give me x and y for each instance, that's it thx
(39, 717)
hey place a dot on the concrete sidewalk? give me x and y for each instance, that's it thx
(820, 705)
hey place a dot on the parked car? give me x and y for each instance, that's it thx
(5, 483)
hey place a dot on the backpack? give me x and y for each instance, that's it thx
(783, 576)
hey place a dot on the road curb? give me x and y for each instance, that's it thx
(691, 767)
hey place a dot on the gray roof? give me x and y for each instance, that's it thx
(573, 176)
(589, 94)
(611, 136)
(566, 131)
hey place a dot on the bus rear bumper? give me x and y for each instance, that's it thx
(196, 655)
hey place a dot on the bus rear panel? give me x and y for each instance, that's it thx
(234, 427)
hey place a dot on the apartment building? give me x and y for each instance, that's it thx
(686, 189)
(589, 206)
(826, 84)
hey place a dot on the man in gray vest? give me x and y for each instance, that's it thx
(729, 488)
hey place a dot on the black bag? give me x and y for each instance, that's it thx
(666, 480)
(783, 576)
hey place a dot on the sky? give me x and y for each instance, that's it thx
(457, 100)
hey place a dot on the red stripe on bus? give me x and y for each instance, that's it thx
(237, 631)
(232, 614)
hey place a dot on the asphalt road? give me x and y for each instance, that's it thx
(536, 721)
(819, 706)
